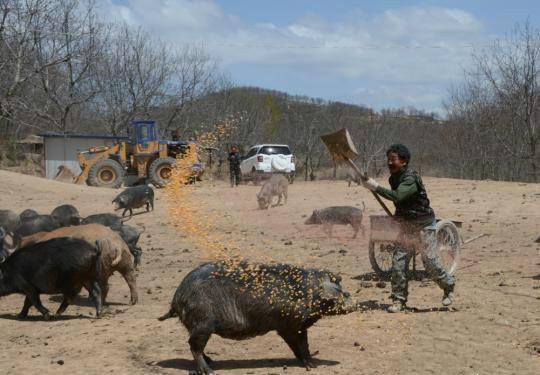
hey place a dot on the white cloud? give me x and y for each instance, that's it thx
(396, 47)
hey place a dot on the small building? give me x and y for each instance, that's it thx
(32, 144)
(61, 149)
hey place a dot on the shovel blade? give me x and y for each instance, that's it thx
(340, 145)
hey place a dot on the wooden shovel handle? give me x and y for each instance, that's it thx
(365, 177)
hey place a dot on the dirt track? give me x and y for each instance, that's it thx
(494, 327)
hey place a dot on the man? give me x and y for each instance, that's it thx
(234, 166)
(417, 223)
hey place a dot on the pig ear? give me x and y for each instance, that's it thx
(330, 290)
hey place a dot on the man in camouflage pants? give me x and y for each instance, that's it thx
(234, 166)
(417, 221)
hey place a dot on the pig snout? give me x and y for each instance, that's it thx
(313, 219)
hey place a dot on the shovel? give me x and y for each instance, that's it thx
(341, 148)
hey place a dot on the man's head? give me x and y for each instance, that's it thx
(398, 157)
(234, 149)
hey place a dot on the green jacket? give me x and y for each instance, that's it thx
(409, 196)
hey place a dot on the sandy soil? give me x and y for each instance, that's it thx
(493, 327)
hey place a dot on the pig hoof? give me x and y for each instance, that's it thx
(22, 315)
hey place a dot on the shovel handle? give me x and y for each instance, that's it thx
(365, 177)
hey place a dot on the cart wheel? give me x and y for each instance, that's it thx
(448, 245)
(380, 257)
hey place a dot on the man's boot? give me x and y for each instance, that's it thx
(448, 296)
(397, 306)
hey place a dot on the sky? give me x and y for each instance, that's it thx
(379, 53)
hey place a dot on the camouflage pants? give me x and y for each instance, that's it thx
(400, 264)
(234, 174)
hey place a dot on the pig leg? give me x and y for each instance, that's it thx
(197, 342)
(285, 195)
(298, 342)
(96, 297)
(356, 228)
(34, 298)
(104, 287)
(68, 298)
(131, 281)
(26, 308)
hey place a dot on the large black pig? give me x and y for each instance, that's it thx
(58, 266)
(135, 197)
(242, 300)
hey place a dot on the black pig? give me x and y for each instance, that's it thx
(109, 220)
(61, 265)
(135, 197)
(131, 235)
(66, 215)
(337, 215)
(9, 220)
(28, 214)
(240, 301)
(39, 223)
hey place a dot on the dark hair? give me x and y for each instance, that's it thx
(402, 151)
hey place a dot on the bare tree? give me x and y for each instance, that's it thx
(78, 39)
(512, 69)
(24, 25)
(131, 76)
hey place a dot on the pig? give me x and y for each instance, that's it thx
(128, 233)
(131, 236)
(109, 220)
(135, 197)
(353, 177)
(276, 185)
(115, 254)
(59, 266)
(33, 224)
(242, 300)
(337, 215)
(9, 220)
(28, 214)
(66, 215)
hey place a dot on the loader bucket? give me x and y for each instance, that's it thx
(340, 145)
(64, 174)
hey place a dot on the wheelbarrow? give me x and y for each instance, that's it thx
(385, 229)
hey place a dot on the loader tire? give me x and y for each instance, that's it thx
(106, 173)
(160, 170)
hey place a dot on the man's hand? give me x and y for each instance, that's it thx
(370, 184)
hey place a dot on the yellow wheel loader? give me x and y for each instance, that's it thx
(143, 155)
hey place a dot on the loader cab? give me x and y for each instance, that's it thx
(143, 136)
(143, 132)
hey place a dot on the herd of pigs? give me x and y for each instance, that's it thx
(61, 253)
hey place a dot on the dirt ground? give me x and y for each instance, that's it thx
(493, 327)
